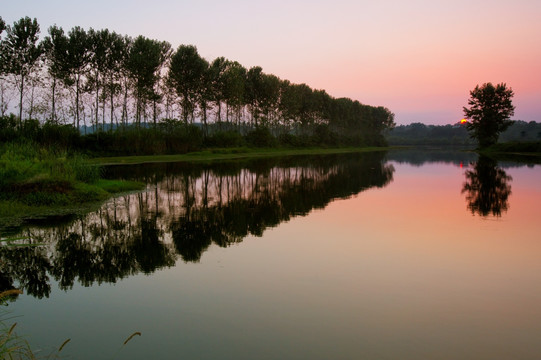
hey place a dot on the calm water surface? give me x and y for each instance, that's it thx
(374, 256)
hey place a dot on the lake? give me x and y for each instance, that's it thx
(398, 255)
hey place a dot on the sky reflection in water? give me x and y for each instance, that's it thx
(368, 259)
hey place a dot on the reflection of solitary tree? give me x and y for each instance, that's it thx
(487, 188)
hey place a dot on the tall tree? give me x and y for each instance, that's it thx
(125, 78)
(187, 76)
(3, 59)
(117, 52)
(145, 60)
(2, 28)
(254, 92)
(204, 95)
(234, 81)
(77, 58)
(3, 87)
(217, 70)
(55, 48)
(98, 44)
(270, 98)
(21, 52)
(489, 112)
(2, 25)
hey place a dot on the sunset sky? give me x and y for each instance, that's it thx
(419, 58)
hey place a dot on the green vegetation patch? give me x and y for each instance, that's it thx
(229, 154)
(528, 147)
(119, 186)
(36, 180)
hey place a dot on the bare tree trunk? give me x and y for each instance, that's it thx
(53, 105)
(31, 110)
(111, 91)
(155, 113)
(77, 102)
(21, 102)
(97, 99)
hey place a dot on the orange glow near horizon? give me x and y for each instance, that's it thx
(463, 121)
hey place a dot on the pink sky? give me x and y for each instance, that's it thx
(419, 58)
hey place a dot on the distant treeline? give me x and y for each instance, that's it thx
(457, 135)
(103, 80)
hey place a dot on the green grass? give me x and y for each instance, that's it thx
(37, 181)
(80, 197)
(532, 148)
(117, 186)
(227, 154)
(13, 346)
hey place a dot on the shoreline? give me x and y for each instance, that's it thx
(213, 155)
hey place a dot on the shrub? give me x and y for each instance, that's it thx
(261, 137)
(82, 170)
(224, 139)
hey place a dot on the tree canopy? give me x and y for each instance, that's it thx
(489, 111)
(21, 52)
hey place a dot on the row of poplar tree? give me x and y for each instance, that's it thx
(98, 77)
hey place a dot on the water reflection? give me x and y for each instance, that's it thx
(487, 188)
(184, 210)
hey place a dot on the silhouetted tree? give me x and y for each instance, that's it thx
(234, 79)
(145, 60)
(187, 76)
(2, 58)
(116, 53)
(20, 53)
(217, 70)
(489, 110)
(55, 48)
(2, 25)
(76, 60)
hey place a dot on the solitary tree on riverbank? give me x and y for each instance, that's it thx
(489, 110)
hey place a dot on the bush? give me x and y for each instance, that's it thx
(59, 136)
(18, 161)
(295, 140)
(261, 137)
(82, 171)
(324, 136)
(183, 138)
(8, 128)
(224, 139)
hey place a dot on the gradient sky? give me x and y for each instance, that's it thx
(419, 58)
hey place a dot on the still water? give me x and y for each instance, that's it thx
(405, 255)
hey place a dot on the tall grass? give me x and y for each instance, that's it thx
(12, 346)
(15, 347)
(35, 175)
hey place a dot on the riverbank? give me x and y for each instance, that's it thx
(530, 148)
(47, 199)
(40, 184)
(35, 180)
(212, 155)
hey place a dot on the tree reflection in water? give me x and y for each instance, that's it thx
(185, 209)
(487, 188)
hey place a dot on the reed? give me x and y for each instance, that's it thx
(11, 345)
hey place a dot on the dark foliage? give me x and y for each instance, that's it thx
(489, 111)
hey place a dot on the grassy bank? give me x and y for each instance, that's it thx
(530, 148)
(228, 154)
(35, 180)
